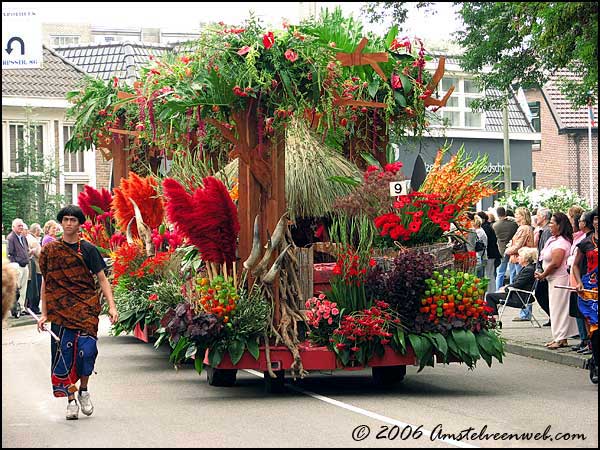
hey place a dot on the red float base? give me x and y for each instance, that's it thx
(313, 358)
(144, 334)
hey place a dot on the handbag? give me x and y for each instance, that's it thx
(573, 306)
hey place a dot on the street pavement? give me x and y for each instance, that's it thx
(141, 401)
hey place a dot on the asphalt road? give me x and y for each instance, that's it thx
(140, 401)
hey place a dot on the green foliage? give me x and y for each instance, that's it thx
(460, 345)
(526, 42)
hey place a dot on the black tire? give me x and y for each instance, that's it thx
(221, 377)
(274, 385)
(593, 371)
(388, 375)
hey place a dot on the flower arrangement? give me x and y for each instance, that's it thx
(556, 199)
(217, 296)
(99, 228)
(419, 218)
(323, 318)
(372, 197)
(143, 191)
(403, 284)
(348, 281)
(454, 300)
(362, 334)
(457, 182)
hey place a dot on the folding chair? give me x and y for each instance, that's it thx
(525, 298)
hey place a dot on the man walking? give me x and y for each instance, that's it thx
(18, 253)
(505, 229)
(70, 301)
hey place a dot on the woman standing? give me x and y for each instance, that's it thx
(585, 271)
(554, 264)
(50, 231)
(522, 238)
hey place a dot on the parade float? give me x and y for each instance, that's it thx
(204, 255)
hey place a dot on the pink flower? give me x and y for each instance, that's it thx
(242, 51)
(396, 83)
(335, 311)
(290, 55)
(268, 40)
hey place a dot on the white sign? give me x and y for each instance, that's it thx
(399, 188)
(21, 39)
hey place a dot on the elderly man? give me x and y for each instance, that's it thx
(19, 254)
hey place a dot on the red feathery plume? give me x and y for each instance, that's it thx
(207, 217)
(93, 197)
(143, 192)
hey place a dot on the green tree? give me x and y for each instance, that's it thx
(26, 195)
(526, 42)
(378, 11)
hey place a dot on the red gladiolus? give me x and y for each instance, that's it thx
(268, 40)
(290, 55)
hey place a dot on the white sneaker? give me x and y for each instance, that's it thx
(86, 403)
(72, 410)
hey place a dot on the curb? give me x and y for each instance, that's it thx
(536, 352)
(10, 322)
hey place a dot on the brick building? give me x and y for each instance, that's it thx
(561, 158)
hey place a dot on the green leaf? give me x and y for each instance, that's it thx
(345, 180)
(391, 36)
(400, 338)
(439, 342)
(465, 340)
(400, 99)
(215, 355)
(486, 357)
(421, 346)
(344, 356)
(370, 159)
(407, 85)
(191, 351)
(373, 87)
(252, 346)
(236, 350)
(182, 343)
(199, 365)
(97, 209)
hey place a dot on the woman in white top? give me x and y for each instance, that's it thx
(554, 264)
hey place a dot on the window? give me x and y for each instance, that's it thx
(72, 191)
(73, 161)
(534, 108)
(59, 41)
(26, 146)
(457, 112)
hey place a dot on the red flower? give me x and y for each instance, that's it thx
(153, 297)
(396, 83)
(185, 59)
(290, 55)
(268, 40)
